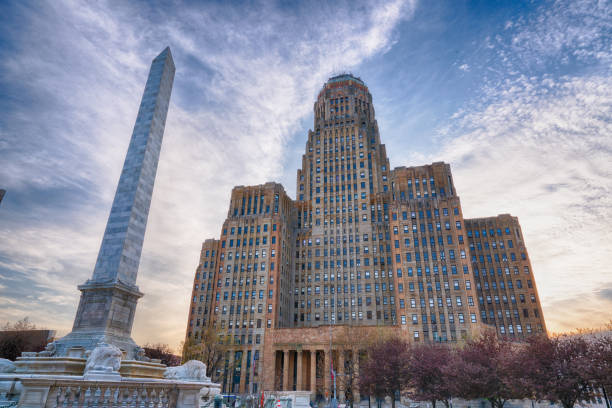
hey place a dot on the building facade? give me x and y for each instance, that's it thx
(293, 287)
(507, 295)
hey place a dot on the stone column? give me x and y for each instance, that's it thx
(278, 381)
(356, 395)
(300, 368)
(340, 379)
(327, 375)
(313, 372)
(285, 370)
(243, 372)
(291, 369)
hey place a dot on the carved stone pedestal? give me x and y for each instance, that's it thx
(50, 365)
(141, 369)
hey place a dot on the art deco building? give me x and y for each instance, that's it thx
(362, 249)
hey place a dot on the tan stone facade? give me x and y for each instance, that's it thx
(507, 295)
(365, 250)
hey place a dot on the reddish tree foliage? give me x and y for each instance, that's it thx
(429, 367)
(487, 367)
(385, 370)
(600, 366)
(162, 352)
(558, 368)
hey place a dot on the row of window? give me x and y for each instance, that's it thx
(504, 299)
(502, 284)
(442, 319)
(491, 232)
(494, 245)
(252, 229)
(251, 241)
(496, 257)
(483, 314)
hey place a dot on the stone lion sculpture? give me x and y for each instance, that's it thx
(6, 366)
(139, 355)
(193, 370)
(105, 357)
(49, 351)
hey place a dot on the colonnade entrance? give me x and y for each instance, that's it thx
(302, 369)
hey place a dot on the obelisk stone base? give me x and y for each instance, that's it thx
(105, 315)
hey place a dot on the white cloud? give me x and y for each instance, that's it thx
(566, 29)
(464, 67)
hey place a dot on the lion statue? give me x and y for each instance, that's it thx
(6, 366)
(105, 357)
(140, 355)
(193, 370)
(49, 350)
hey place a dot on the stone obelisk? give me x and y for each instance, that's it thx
(108, 300)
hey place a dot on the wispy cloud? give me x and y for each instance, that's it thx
(245, 79)
(567, 29)
(539, 146)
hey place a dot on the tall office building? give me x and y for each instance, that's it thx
(364, 248)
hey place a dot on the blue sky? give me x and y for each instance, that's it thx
(515, 95)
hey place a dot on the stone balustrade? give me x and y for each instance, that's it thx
(52, 392)
(90, 394)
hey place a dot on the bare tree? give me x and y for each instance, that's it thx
(353, 341)
(20, 325)
(206, 349)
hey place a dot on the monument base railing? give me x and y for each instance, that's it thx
(54, 392)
